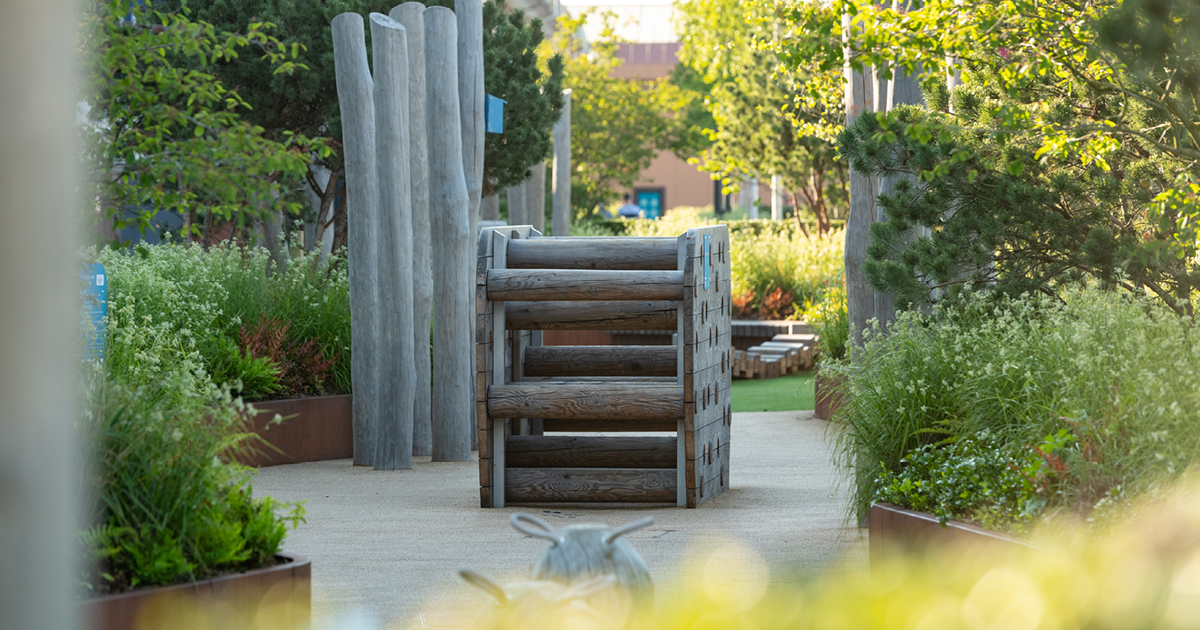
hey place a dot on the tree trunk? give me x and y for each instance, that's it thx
(394, 431)
(410, 15)
(796, 215)
(355, 94)
(453, 273)
(561, 166)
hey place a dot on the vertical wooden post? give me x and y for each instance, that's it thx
(499, 344)
(409, 14)
(517, 205)
(39, 318)
(535, 197)
(469, 14)
(394, 431)
(776, 198)
(561, 210)
(355, 97)
(449, 206)
(489, 208)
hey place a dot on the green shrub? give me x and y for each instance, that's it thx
(1116, 372)
(203, 299)
(169, 503)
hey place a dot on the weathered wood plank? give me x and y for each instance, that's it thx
(623, 315)
(589, 485)
(600, 361)
(574, 451)
(553, 425)
(586, 401)
(534, 285)
(596, 253)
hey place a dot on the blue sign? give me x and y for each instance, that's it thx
(93, 289)
(493, 114)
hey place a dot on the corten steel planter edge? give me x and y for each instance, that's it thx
(120, 611)
(826, 402)
(895, 530)
(314, 429)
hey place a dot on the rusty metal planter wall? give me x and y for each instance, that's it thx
(314, 429)
(287, 585)
(896, 530)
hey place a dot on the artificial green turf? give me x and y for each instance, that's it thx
(786, 393)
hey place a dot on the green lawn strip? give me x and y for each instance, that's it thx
(786, 393)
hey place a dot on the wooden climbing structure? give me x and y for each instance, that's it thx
(540, 408)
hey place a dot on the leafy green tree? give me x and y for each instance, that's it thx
(617, 125)
(534, 98)
(163, 133)
(1002, 213)
(303, 103)
(1108, 84)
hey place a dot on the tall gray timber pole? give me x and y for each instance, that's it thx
(394, 431)
(449, 206)
(357, 103)
(860, 299)
(39, 318)
(489, 208)
(517, 205)
(535, 198)
(409, 14)
(469, 15)
(561, 205)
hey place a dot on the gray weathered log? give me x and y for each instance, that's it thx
(516, 205)
(586, 401)
(535, 198)
(453, 269)
(489, 208)
(535, 285)
(621, 315)
(609, 426)
(394, 429)
(621, 253)
(409, 14)
(600, 361)
(355, 96)
(469, 14)
(561, 207)
(860, 299)
(40, 479)
(272, 236)
(589, 485)
(578, 451)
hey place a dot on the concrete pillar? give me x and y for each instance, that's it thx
(776, 198)
(355, 95)
(517, 205)
(561, 206)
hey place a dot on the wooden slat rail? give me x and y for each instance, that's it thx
(589, 485)
(551, 425)
(601, 361)
(635, 315)
(576, 451)
(618, 253)
(586, 401)
(543, 284)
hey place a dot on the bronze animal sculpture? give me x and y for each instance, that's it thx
(589, 550)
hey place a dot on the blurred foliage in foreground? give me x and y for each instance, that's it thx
(1143, 572)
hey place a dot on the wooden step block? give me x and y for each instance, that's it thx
(578, 451)
(589, 485)
(568, 400)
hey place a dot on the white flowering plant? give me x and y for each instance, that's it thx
(1102, 383)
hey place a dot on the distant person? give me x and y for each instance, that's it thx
(630, 210)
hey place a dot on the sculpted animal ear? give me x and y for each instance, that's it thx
(531, 525)
(626, 528)
(484, 583)
(589, 587)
